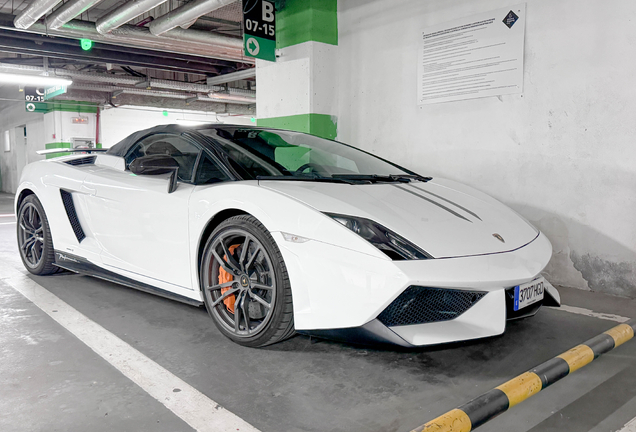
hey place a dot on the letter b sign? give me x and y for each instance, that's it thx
(268, 11)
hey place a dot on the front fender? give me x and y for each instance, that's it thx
(277, 212)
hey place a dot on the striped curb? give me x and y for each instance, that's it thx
(498, 400)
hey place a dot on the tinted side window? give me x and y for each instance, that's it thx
(184, 152)
(209, 172)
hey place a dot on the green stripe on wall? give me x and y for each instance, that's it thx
(57, 145)
(307, 20)
(322, 125)
(71, 106)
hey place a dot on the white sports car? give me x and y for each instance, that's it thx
(279, 232)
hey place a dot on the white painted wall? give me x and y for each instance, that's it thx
(59, 127)
(562, 153)
(23, 151)
(117, 123)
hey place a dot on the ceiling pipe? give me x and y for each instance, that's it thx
(188, 24)
(68, 11)
(166, 94)
(232, 76)
(216, 92)
(67, 49)
(201, 43)
(196, 36)
(185, 14)
(33, 12)
(102, 98)
(121, 15)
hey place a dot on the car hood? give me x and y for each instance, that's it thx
(444, 218)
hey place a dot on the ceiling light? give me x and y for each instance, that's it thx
(35, 80)
(86, 44)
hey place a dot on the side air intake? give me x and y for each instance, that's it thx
(87, 160)
(67, 199)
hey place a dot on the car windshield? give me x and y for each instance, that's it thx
(276, 154)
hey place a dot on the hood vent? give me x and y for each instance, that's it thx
(87, 160)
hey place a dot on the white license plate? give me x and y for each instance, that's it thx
(529, 293)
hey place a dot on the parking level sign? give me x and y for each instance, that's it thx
(259, 24)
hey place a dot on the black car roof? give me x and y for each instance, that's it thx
(122, 147)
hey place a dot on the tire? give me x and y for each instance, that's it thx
(34, 238)
(245, 283)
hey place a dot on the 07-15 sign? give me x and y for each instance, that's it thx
(259, 23)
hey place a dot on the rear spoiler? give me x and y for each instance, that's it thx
(71, 150)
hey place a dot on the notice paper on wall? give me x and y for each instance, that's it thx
(472, 57)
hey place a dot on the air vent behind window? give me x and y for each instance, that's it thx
(67, 199)
(82, 161)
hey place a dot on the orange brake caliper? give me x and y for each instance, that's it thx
(227, 277)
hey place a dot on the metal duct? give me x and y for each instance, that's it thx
(214, 92)
(203, 36)
(185, 14)
(68, 11)
(202, 43)
(154, 83)
(33, 13)
(166, 94)
(121, 15)
(232, 76)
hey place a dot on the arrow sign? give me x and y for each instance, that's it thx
(253, 47)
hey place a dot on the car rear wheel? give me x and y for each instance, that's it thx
(245, 283)
(34, 238)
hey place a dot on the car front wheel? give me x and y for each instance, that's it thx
(245, 283)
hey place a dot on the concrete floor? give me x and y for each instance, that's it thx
(51, 381)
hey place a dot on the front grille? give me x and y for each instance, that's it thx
(67, 199)
(82, 161)
(418, 305)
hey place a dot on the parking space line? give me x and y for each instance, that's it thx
(8, 223)
(192, 406)
(7, 215)
(630, 426)
(591, 313)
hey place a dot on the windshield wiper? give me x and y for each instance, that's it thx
(375, 178)
(310, 177)
(412, 177)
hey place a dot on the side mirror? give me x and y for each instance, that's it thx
(154, 165)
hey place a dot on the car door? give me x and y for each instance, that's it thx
(143, 229)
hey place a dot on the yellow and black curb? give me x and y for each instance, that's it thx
(498, 400)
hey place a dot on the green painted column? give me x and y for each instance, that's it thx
(297, 92)
(307, 20)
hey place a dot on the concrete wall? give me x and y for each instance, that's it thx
(117, 123)
(562, 153)
(60, 128)
(23, 151)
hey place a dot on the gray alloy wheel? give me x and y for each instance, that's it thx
(245, 283)
(34, 238)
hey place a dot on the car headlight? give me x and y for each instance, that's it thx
(393, 245)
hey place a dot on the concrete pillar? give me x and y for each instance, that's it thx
(59, 129)
(299, 90)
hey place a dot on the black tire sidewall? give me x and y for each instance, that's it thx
(48, 254)
(283, 289)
